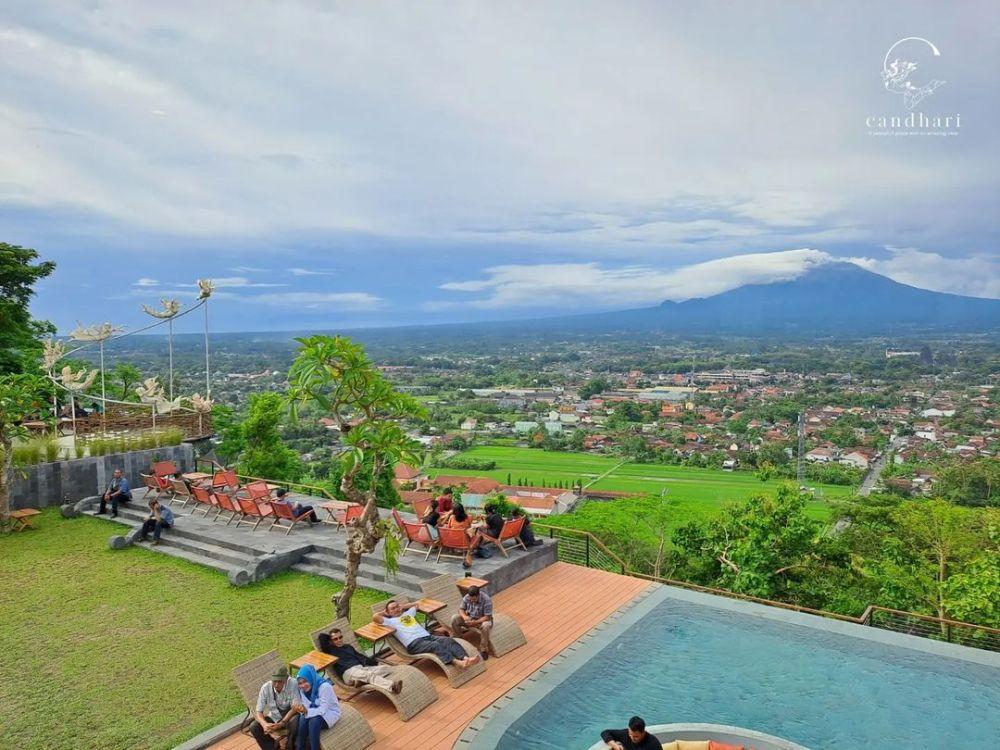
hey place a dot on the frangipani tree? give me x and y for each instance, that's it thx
(334, 374)
(20, 397)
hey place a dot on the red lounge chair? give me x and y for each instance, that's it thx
(349, 515)
(253, 512)
(400, 523)
(164, 469)
(152, 484)
(227, 505)
(204, 499)
(453, 539)
(284, 512)
(225, 481)
(420, 507)
(418, 533)
(511, 531)
(257, 490)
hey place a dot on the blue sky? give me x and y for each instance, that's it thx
(343, 165)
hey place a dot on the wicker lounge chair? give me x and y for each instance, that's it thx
(507, 634)
(351, 732)
(417, 692)
(456, 675)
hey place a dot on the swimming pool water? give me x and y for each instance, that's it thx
(684, 662)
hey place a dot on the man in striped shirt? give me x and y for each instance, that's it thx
(475, 614)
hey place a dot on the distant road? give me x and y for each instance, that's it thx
(876, 468)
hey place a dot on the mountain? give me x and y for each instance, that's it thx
(835, 297)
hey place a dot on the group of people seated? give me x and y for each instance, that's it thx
(444, 512)
(291, 714)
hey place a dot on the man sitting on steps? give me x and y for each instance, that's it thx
(118, 492)
(160, 517)
(403, 619)
(354, 667)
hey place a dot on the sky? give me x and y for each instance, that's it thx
(339, 165)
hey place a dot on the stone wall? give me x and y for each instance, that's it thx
(60, 482)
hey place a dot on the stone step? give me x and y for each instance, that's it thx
(390, 588)
(408, 564)
(370, 568)
(166, 547)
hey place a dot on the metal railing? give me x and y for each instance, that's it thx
(583, 548)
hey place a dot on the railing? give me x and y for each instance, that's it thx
(583, 548)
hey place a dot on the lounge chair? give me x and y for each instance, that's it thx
(164, 469)
(284, 512)
(420, 508)
(351, 732)
(349, 515)
(253, 512)
(418, 533)
(225, 481)
(180, 492)
(416, 694)
(507, 634)
(511, 532)
(227, 505)
(456, 675)
(204, 499)
(154, 485)
(452, 539)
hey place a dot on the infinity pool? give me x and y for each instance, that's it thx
(684, 661)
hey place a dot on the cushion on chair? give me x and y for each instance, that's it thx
(692, 744)
(672, 745)
(715, 745)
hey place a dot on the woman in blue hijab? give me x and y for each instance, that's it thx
(319, 707)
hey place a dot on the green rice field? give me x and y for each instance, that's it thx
(696, 492)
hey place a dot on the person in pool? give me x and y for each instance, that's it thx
(634, 738)
(317, 707)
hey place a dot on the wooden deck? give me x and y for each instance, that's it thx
(554, 607)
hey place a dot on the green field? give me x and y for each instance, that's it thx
(107, 650)
(697, 493)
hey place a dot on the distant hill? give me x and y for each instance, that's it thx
(832, 298)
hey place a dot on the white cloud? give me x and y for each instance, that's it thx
(144, 282)
(239, 281)
(319, 300)
(249, 269)
(973, 276)
(565, 284)
(308, 272)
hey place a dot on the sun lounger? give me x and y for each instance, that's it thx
(351, 732)
(456, 540)
(180, 492)
(456, 675)
(506, 635)
(416, 694)
(284, 512)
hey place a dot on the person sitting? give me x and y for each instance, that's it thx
(634, 738)
(489, 531)
(354, 667)
(402, 618)
(457, 518)
(475, 613)
(118, 492)
(445, 500)
(317, 706)
(275, 719)
(160, 518)
(431, 518)
(527, 534)
(297, 508)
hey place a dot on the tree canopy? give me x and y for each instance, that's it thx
(20, 333)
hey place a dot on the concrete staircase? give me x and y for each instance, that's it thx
(330, 562)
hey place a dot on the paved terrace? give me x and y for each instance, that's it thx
(554, 607)
(246, 555)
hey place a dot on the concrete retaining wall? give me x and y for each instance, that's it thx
(60, 482)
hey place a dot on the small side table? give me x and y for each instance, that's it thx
(318, 659)
(429, 607)
(468, 581)
(374, 633)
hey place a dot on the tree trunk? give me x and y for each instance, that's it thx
(362, 538)
(8, 459)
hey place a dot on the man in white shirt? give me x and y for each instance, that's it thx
(402, 618)
(275, 717)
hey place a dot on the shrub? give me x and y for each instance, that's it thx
(468, 462)
(52, 449)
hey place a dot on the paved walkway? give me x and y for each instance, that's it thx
(554, 608)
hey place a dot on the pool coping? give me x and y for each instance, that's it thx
(485, 731)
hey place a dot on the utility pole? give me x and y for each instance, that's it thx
(800, 462)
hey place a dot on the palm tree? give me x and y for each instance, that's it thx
(334, 374)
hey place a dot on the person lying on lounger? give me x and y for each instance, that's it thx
(354, 667)
(416, 640)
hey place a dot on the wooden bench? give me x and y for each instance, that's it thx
(21, 519)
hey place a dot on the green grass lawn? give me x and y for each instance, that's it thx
(109, 650)
(696, 493)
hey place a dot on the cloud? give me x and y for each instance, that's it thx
(249, 269)
(566, 284)
(308, 272)
(144, 282)
(973, 276)
(239, 281)
(319, 300)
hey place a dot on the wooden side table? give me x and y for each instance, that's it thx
(373, 632)
(429, 607)
(318, 659)
(466, 582)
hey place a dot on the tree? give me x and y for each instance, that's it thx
(593, 387)
(19, 332)
(20, 397)
(753, 547)
(973, 483)
(125, 376)
(334, 374)
(264, 453)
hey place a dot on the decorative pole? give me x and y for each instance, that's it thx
(100, 334)
(76, 382)
(170, 308)
(52, 352)
(206, 287)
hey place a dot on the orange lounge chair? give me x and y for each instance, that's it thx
(284, 512)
